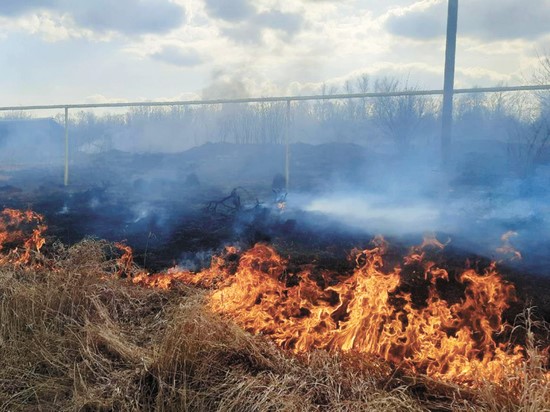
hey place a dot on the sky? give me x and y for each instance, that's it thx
(86, 51)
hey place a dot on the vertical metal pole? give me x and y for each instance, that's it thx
(66, 180)
(448, 86)
(287, 147)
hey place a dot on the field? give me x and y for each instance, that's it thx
(230, 302)
(75, 336)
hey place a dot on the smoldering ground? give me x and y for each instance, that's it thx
(357, 168)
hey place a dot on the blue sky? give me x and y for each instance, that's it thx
(69, 51)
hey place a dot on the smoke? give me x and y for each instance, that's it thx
(226, 85)
(473, 201)
(31, 142)
(376, 214)
(357, 168)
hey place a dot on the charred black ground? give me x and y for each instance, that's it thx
(180, 208)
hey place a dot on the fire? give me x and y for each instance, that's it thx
(125, 262)
(14, 228)
(370, 311)
(220, 266)
(374, 310)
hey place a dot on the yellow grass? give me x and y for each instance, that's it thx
(78, 339)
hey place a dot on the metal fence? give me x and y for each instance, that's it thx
(287, 100)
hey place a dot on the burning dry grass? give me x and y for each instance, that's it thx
(78, 338)
(75, 336)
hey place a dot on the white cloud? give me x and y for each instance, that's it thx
(17, 7)
(479, 76)
(100, 99)
(265, 47)
(130, 17)
(127, 16)
(246, 23)
(232, 11)
(487, 20)
(177, 56)
(53, 28)
(423, 20)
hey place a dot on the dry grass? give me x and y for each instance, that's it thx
(532, 379)
(76, 338)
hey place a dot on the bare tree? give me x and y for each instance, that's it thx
(529, 140)
(272, 117)
(363, 86)
(398, 117)
(325, 110)
(527, 144)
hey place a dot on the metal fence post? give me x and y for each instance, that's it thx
(287, 147)
(66, 179)
(448, 87)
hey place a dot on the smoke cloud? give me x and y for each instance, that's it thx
(193, 179)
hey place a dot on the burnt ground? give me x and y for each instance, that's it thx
(165, 204)
(180, 208)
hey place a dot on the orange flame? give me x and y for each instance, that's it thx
(14, 228)
(125, 262)
(218, 270)
(368, 311)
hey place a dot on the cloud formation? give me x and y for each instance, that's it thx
(232, 11)
(177, 56)
(264, 47)
(489, 20)
(123, 16)
(418, 21)
(289, 23)
(243, 23)
(128, 16)
(12, 8)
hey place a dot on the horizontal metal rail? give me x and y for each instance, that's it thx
(279, 98)
(287, 99)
